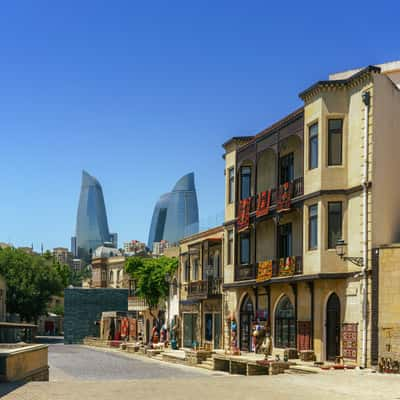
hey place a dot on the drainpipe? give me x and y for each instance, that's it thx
(366, 98)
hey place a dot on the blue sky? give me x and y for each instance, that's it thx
(140, 93)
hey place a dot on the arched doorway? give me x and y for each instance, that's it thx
(285, 324)
(332, 327)
(246, 319)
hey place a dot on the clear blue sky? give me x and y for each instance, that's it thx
(139, 93)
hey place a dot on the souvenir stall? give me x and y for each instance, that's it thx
(119, 326)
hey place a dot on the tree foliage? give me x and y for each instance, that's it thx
(31, 281)
(150, 275)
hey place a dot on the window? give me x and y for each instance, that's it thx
(285, 240)
(286, 169)
(245, 248)
(231, 183)
(196, 269)
(313, 227)
(245, 182)
(313, 146)
(230, 247)
(187, 271)
(334, 223)
(335, 133)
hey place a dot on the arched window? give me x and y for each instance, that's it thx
(111, 276)
(285, 332)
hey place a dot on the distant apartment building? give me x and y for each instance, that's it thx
(159, 247)
(62, 255)
(77, 264)
(135, 247)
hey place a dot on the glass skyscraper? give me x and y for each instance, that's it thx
(91, 222)
(176, 214)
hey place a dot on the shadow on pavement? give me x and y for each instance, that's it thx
(8, 387)
(49, 339)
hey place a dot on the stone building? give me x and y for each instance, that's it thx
(62, 255)
(386, 302)
(324, 174)
(200, 274)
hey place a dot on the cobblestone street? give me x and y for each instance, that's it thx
(78, 372)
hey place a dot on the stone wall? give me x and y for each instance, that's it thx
(83, 308)
(28, 363)
(389, 302)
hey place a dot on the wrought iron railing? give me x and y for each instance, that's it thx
(204, 288)
(281, 267)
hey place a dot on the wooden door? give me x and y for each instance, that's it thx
(333, 327)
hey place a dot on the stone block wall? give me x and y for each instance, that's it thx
(83, 307)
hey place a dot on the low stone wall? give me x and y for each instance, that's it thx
(96, 342)
(194, 357)
(26, 363)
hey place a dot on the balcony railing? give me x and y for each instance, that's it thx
(296, 190)
(136, 303)
(204, 288)
(281, 267)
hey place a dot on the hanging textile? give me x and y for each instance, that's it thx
(303, 335)
(117, 334)
(263, 203)
(132, 329)
(349, 339)
(243, 221)
(284, 197)
(287, 266)
(264, 271)
(124, 327)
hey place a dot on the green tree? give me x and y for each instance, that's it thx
(150, 275)
(31, 281)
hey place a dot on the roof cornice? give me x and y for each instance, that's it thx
(353, 80)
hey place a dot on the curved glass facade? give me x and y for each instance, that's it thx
(176, 214)
(91, 222)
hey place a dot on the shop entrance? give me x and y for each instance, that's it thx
(246, 320)
(332, 327)
(189, 329)
(213, 329)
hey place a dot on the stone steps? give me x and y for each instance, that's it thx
(302, 369)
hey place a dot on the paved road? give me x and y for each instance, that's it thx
(78, 372)
(83, 363)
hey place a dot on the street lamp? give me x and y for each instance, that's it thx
(341, 247)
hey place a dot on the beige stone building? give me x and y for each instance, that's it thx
(62, 255)
(324, 173)
(200, 296)
(386, 302)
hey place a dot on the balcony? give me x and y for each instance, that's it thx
(136, 303)
(281, 267)
(296, 189)
(204, 289)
